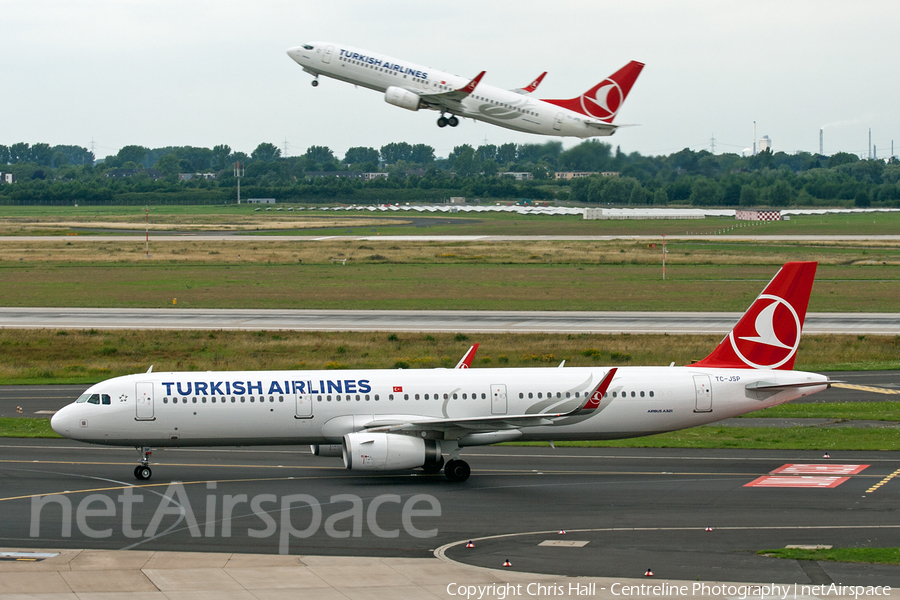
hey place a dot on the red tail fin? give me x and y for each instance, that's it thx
(768, 335)
(605, 99)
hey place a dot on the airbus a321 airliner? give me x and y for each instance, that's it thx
(415, 87)
(394, 419)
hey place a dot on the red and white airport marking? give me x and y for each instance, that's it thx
(810, 476)
(829, 469)
(802, 481)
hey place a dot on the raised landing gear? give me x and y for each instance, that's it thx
(457, 470)
(142, 472)
(452, 121)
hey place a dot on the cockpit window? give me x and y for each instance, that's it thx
(93, 399)
(105, 398)
(307, 47)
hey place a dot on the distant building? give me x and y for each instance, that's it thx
(371, 176)
(7, 177)
(620, 214)
(765, 143)
(342, 174)
(518, 175)
(457, 200)
(261, 201)
(123, 173)
(191, 176)
(570, 175)
(757, 215)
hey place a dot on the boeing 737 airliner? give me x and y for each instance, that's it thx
(415, 87)
(394, 419)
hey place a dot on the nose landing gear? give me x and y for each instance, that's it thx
(315, 82)
(142, 472)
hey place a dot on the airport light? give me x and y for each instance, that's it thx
(238, 173)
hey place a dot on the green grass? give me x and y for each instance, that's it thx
(771, 438)
(26, 428)
(432, 286)
(472, 223)
(870, 411)
(884, 556)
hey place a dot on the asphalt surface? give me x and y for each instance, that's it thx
(38, 401)
(427, 320)
(623, 511)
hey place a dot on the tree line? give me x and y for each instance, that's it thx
(69, 174)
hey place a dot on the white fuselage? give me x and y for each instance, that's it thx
(497, 106)
(319, 407)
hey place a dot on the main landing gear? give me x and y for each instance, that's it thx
(142, 472)
(452, 121)
(457, 470)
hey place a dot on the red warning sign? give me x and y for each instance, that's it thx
(829, 469)
(808, 481)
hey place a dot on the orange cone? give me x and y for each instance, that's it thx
(506, 563)
(649, 573)
(471, 544)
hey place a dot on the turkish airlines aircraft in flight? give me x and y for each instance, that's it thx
(393, 419)
(415, 87)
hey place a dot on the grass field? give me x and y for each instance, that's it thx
(885, 556)
(39, 220)
(88, 356)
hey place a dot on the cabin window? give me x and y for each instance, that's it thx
(213, 399)
(194, 400)
(367, 397)
(540, 395)
(203, 400)
(390, 396)
(651, 394)
(464, 396)
(568, 395)
(483, 396)
(530, 395)
(165, 400)
(446, 397)
(376, 397)
(632, 394)
(233, 399)
(454, 396)
(328, 398)
(319, 398)
(642, 394)
(521, 395)
(406, 396)
(243, 399)
(252, 399)
(614, 394)
(281, 398)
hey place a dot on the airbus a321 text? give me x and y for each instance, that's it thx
(394, 419)
(415, 87)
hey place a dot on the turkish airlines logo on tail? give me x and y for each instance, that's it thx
(771, 338)
(603, 101)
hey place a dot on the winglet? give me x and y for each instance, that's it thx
(534, 84)
(596, 396)
(470, 87)
(466, 361)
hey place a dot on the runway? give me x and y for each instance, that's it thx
(456, 321)
(623, 510)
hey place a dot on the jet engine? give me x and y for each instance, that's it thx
(402, 98)
(326, 449)
(389, 451)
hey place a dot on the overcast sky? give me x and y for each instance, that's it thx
(187, 72)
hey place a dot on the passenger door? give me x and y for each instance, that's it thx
(703, 391)
(144, 401)
(498, 399)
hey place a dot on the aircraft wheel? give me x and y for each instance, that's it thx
(315, 82)
(453, 121)
(434, 467)
(457, 471)
(442, 122)
(142, 473)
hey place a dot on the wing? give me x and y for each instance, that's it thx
(466, 425)
(450, 101)
(532, 86)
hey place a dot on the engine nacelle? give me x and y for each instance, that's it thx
(327, 449)
(388, 452)
(402, 98)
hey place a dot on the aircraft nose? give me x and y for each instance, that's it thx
(61, 420)
(294, 53)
